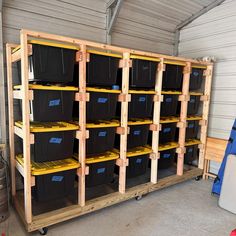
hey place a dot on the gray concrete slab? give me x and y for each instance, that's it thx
(187, 209)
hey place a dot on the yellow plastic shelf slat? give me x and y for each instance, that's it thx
(42, 127)
(50, 167)
(142, 91)
(138, 151)
(171, 92)
(170, 119)
(194, 118)
(140, 122)
(191, 142)
(48, 87)
(195, 93)
(107, 156)
(102, 90)
(104, 53)
(167, 146)
(132, 56)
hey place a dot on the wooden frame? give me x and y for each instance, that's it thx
(214, 151)
(83, 207)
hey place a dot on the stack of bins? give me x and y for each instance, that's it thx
(140, 112)
(193, 119)
(167, 141)
(101, 80)
(50, 70)
(171, 89)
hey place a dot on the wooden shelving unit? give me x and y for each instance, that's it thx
(23, 202)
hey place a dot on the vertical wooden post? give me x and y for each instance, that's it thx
(156, 121)
(11, 119)
(183, 118)
(205, 113)
(26, 126)
(124, 122)
(82, 124)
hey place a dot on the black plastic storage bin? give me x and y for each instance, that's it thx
(196, 79)
(191, 154)
(170, 104)
(138, 161)
(101, 137)
(101, 70)
(143, 72)
(167, 155)
(141, 104)
(138, 135)
(54, 64)
(51, 103)
(167, 133)
(53, 180)
(54, 186)
(52, 141)
(172, 77)
(101, 169)
(193, 104)
(102, 104)
(192, 129)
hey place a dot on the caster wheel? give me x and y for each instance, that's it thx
(138, 198)
(198, 178)
(43, 231)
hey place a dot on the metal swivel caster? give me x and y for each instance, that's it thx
(138, 198)
(198, 178)
(43, 231)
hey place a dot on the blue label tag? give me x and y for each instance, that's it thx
(55, 102)
(166, 155)
(168, 99)
(137, 132)
(190, 150)
(139, 161)
(57, 178)
(166, 130)
(102, 100)
(192, 100)
(142, 99)
(101, 170)
(195, 73)
(55, 140)
(102, 133)
(190, 126)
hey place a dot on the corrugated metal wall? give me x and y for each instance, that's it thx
(214, 34)
(82, 19)
(140, 28)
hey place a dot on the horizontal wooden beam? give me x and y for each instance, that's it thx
(19, 132)
(16, 56)
(18, 94)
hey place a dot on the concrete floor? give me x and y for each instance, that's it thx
(187, 209)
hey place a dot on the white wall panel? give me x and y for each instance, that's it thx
(214, 34)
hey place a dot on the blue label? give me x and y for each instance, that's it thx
(168, 99)
(102, 100)
(55, 140)
(190, 126)
(166, 130)
(190, 150)
(192, 100)
(195, 73)
(101, 170)
(102, 133)
(142, 99)
(57, 178)
(166, 155)
(55, 102)
(137, 132)
(139, 161)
